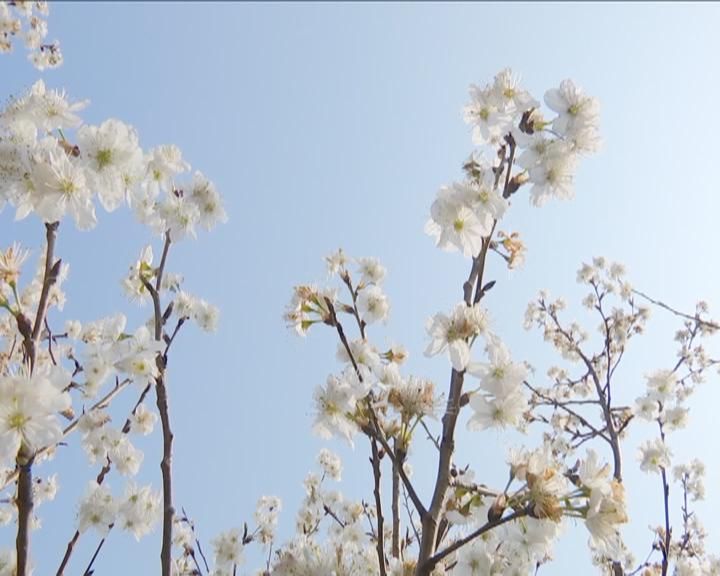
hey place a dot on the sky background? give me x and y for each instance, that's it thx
(334, 125)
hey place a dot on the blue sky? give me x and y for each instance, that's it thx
(333, 125)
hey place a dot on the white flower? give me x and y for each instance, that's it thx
(490, 412)
(647, 408)
(137, 356)
(266, 515)
(484, 114)
(110, 152)
(142, 421)
(163, 163)
(533, 539)
(133, 284)
(476, 560)
(654, 455)
(674, 418)
(336, 262)
(45, 490)
(577, 115)
(453, 332)
(140, 510)
(592, 475)
(97, 509)
(511, 98)
(206, 197)
(73, 329)
(11, 261)
(47, 109)
(373, 304)
(59, 187)
(228, 548)
(206, 315)
(606, 510)
(330, 464)
(333, 403)
(372, 272)
(414, 397)
(179, 216)
(553, 176)
(661, 385)
(455, 225)
(501, 376)
(28, 408)
(184, 304)
(487, 203)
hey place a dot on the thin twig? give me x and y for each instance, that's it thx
(706, 323)
(88, 570)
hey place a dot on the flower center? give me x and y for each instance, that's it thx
(104, 158)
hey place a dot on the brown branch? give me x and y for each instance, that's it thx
(24, 503)
(449, 421)
(380, 545)
(397, 460)
(162, 405)
(665, 548)
(353, 294)
(48, 278)
(395, 508)
(166, 469)
(163, 260)
(68, 553)
(24, 499)
(431, 562)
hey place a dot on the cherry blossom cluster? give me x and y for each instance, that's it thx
(508, 122)
(665, 404)
(469, 528)
(228, 546)
(25, 20)
(53, 174)
(370, 396)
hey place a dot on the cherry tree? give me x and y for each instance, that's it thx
(59, 380)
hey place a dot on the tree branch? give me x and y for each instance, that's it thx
(380, 546)
(395, 508)
(24, 503)
(432, 561)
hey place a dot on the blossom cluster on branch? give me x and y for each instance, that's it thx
(25, 20)
(58, 380)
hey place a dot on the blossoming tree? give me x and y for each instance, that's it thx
(58, 381)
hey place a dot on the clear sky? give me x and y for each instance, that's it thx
(333, 125)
